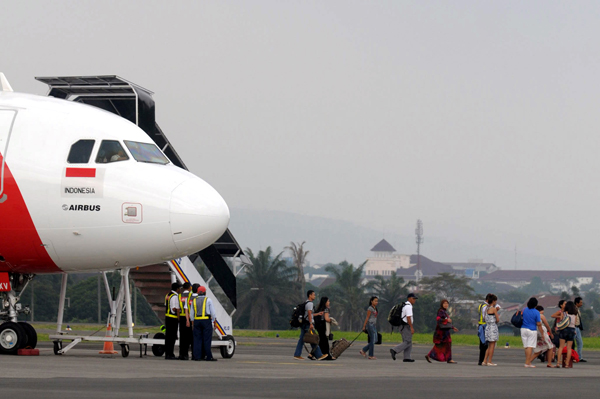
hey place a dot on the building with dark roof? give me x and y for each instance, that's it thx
(561, 280)
(474, 268)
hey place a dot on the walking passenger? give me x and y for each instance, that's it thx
(322, 319)
(204, 315)
(407, 330)
(491, 330)
(532, 323)
(579, 329)
(185, 327)
(171, 320)
(481, 310)
(557, 316)
(370, 327)
(307, 325)
(544, 343)
(442, 340)
(567, 336)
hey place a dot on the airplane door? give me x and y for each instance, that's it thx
(7, 121)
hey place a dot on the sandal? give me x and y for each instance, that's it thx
(372, 358)
(551, 366)
(429, 359)
(362, 353)
(452, 362)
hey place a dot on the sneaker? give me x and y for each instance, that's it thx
(393, 354)
(298, 358)
(323, 357)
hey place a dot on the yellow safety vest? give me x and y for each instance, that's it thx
(203, 316)
(182, 299)
(169, 312)
(479, 309)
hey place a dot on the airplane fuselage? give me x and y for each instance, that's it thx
(82, 189)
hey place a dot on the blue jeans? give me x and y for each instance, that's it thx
(578, 342)
(315, 348)
(372, 331)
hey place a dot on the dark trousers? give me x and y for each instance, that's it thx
(171, 325)
(185, 338)
(202, 339)
(482, 349)
(323, 338)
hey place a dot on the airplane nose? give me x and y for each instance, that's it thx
(199, 216)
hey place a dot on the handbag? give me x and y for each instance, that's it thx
(378, 339)
(517, 319)
(446, 326)
(564, 323)
(311, 337)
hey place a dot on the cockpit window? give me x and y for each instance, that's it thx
(111, 151)
(81, 151)
(146, 152)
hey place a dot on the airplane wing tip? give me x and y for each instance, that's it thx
(4, 83)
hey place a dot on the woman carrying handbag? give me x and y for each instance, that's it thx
(442, 340)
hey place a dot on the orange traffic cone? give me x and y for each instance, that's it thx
(108, 345)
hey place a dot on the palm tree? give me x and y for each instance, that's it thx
(348, 294)
(299, 256)
(390, 292)
(266, 288)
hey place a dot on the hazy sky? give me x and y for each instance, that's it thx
(480, 118)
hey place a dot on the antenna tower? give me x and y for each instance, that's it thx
(419, 240)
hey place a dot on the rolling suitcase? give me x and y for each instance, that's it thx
(340, 345)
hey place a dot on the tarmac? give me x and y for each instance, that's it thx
(265, 368)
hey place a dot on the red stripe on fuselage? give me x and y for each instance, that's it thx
(81, 172)
(20, 243)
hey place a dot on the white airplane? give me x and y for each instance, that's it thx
(82, 189)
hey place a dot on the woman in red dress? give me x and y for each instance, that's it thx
(442, 348)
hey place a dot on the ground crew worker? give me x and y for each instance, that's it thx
(185, 328)
(171, 320)
(204, 314)
(190, 315)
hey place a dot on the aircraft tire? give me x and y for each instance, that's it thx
(31, 334)
(228, 351)
(57, 347)
(12, 338)
(124, 350)
(158, 350)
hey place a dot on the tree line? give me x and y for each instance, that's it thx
(272, 287)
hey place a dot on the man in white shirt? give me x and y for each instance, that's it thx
(407, 330)
(173, 310)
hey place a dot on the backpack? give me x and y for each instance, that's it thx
(395, 316)
(517, 319)
(297, 318)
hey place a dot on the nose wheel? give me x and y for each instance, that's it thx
(12, 338)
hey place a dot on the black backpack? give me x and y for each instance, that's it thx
(297, 318)
(395, 316)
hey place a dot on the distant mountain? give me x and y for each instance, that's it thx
(330, 240)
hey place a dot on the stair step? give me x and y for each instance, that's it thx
(151, 277)
(163, 285)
